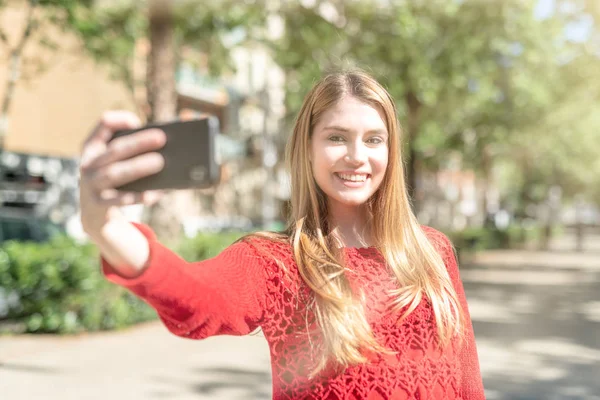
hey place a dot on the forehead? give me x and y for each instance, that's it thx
(351, 112)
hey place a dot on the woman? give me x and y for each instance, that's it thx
(356, 299)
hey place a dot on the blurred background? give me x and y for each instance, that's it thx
(498, 103)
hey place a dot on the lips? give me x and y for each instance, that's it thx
(352, 181)
(352, 177)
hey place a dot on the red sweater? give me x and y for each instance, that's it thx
(239, 291)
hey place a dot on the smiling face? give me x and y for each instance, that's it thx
(349, 152)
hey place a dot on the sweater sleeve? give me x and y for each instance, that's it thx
(472, 384)
(222, 295)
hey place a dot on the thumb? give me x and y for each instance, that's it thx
(110, 122)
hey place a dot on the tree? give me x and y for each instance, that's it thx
(111, 34)
(469, 77)
(119, 36)
(425, 53)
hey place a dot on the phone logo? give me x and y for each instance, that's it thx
(198, 173)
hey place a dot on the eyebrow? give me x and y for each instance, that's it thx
(346, 130)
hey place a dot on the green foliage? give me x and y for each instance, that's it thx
(424, 48)
(110, 33)
(512, 93)
(38, 18)
(515, 236)
(478, 239)
(206, 245)
(491, 81)
(57, 287)
(213, 28)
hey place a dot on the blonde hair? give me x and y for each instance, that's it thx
(417, 266)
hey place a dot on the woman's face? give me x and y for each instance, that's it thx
(349, 152)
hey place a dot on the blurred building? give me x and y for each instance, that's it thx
(52, 112)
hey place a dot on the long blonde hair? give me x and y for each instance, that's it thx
(417, 266)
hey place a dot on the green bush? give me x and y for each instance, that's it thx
(57, 287)
(206, 245)
(478, 239)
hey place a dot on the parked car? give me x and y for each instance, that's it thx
(38, 195)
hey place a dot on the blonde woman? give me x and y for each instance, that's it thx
(356, 299)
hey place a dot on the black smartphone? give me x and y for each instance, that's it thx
(190, 153)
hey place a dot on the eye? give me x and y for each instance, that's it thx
(336, 139)
(375, 140)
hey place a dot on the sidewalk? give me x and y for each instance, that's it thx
(536, 317)
(145, 362)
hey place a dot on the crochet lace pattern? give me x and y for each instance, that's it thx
(241, 290)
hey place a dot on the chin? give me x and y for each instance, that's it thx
(351, 201)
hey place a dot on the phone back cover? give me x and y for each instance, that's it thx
(190, 157)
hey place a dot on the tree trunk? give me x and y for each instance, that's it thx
(579, 237)
(579, 225)
(553, 206)
(162, 99)
(486, 169)
(162, 94)
(413, 124)
(14, 72)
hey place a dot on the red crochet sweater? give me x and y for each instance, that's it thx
(240, 290)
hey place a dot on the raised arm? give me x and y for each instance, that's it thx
(222, 295)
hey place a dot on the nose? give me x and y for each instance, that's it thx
(356, 154)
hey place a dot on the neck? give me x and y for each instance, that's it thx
(349, 225)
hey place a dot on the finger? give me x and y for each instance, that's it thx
(110, 122)
(129, 146)
(112, 197)
(122, 172)
(91, 151)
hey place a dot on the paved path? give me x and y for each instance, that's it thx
(142, 363)
(536, 318)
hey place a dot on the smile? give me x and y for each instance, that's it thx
(353, 177)
(352, 180)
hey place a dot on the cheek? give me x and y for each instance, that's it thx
(326, 158)
(380, 162)
(319, 164)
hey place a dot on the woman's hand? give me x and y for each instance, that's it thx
(107, 164)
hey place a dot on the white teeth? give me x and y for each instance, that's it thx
(353, 178)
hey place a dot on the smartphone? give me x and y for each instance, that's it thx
(190, 154)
